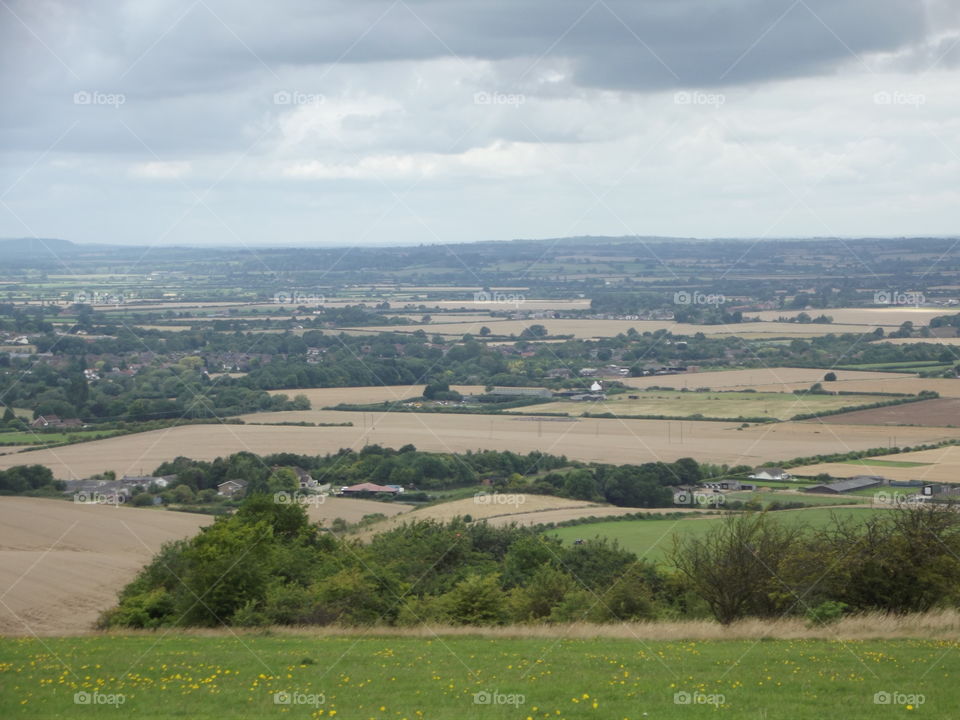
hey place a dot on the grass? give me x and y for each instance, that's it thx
(885, 463)
(651, 539)
(807, 499)
(382, 677)
(780, 406)
(50, 438)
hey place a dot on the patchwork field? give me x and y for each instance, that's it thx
(718, 405)
(602, 440)
(549, 672)
(942, 412)
(62, 563)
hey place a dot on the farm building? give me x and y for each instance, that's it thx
(770, 474)
(148, 480)
(369, 488)
(860, 482)
(729, 485)
(52, 421)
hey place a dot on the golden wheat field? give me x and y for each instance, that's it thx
(506, 508)
(789, 379)
(939, 465)
(327, 397)
(773, 379)
(892, 316)
(326, 509)
(62, 563)
(600, 440)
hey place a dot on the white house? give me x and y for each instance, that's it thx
(770, 474)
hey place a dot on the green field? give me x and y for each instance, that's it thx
(48, 438)
(885, 463)
(779, 406)
(650, 539)
(449, 678)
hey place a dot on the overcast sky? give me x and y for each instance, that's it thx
(375, 121)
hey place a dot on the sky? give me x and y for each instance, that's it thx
(373, 122)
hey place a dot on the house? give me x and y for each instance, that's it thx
(368, 488)
(161, 481)
(770, 474)
(860, 482)
(53, 421)
(304, 479)
(232, 488)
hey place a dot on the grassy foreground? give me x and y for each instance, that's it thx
(222, 675)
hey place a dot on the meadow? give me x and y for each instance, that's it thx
(432, 676)
(727, 405)
(651, 539)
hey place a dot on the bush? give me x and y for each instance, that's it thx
(826, 612)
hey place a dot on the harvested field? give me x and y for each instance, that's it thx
(781, 380)
(327, 397)
(892, 316)
(62, 563)
(716, 405)
(940, 412)
(352, 510)
(940, 465)
(775, 379)
(601, 440)
(505, 508)
(9, 449)
(931, 340)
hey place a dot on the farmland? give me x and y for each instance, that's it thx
(602, 440)
(780, 406)
(62, 563)
(938, 465)
(652, 539)
(790, 379)
(942, 412)
(774, 379)
(379, 676)
(504, 508)
(870, 318)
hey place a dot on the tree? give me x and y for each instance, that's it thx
(830, 377)
(738, 566)
(476, 600)
(484, 331)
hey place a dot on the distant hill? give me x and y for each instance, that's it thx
(36, 247)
